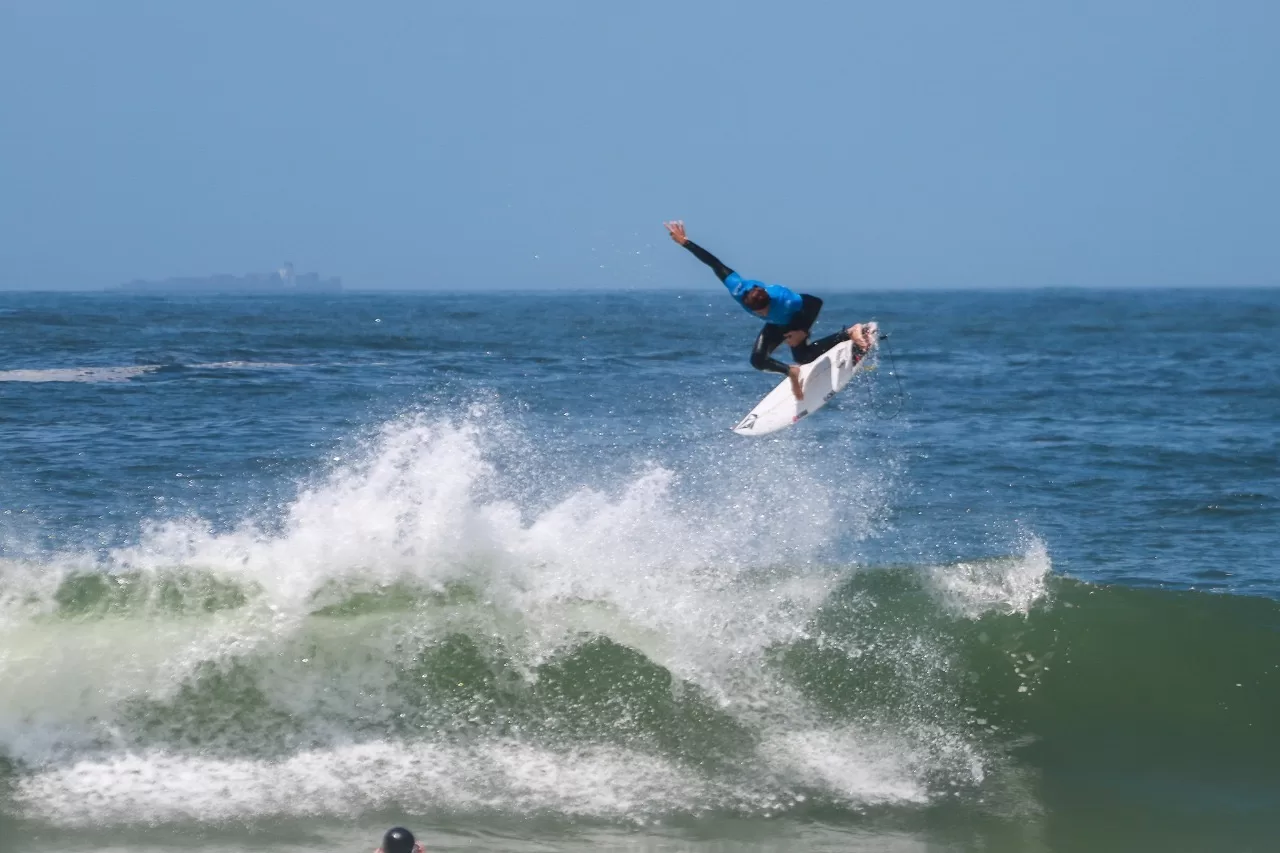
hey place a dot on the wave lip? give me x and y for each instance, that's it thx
(1012, 585)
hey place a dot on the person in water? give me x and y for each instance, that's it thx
(788, 315)
(400, 840)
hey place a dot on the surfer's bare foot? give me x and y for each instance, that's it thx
(676, 230)
(797, 386)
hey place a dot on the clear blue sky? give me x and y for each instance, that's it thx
(835, 145)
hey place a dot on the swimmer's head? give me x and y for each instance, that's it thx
(398, 840)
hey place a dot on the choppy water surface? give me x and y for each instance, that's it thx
(276, 574)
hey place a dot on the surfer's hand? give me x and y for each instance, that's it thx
(797, 387)
(795, 337)
(676, 230)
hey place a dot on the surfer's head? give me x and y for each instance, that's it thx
(399, 840)
(756, 299)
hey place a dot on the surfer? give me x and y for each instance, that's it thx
(400, 840)
(788, 315)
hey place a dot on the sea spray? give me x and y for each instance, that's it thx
(413, 611)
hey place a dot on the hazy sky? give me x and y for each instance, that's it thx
(466, 144)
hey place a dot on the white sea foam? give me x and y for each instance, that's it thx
(1005, 585)
(499, 776)
(123, 373)
(78, 374)
(705, 588)
(244, 365)
(426, 504)
(855, 768)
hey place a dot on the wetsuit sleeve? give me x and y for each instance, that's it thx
(722, 272)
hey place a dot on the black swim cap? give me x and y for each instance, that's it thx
(397, 840)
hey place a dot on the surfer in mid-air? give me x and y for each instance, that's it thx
(788, 317)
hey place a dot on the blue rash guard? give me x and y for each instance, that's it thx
(784, 303)
(788, 311)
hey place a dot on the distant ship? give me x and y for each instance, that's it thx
(281, 281)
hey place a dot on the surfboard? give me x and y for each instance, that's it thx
(823, 378)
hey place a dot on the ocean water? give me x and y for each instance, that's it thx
(276, 574)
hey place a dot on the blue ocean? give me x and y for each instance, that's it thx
(277, 573)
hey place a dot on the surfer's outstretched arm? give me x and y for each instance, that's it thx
(676, 230)
(722, 272)
(754, 297)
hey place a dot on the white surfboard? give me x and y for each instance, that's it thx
(822, 378)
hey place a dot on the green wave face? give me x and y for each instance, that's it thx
(911, 689)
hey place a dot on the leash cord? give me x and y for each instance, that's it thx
(893, 368)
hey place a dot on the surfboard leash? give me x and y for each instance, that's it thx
(893, 368)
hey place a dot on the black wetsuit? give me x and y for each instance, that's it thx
(773, 334)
